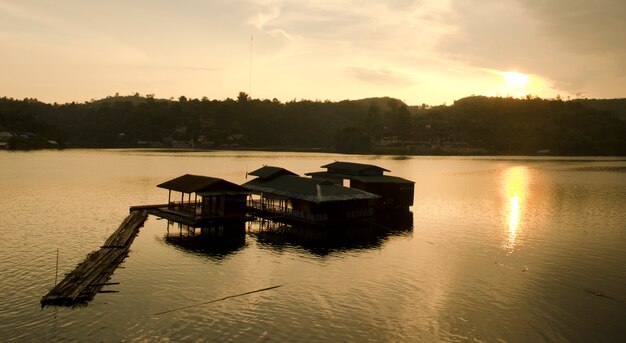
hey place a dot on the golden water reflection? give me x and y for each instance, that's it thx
(515, 190)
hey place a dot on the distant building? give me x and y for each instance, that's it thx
(5, 136)
(235, 137)
(543, 152)
(178, 144)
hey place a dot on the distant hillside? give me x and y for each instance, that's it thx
(529, 126)
(472, 125)
(384, 103)
(616, 106)
(133, 99)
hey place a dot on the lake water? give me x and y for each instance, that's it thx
(500, 249)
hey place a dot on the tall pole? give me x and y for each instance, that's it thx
(250, 70)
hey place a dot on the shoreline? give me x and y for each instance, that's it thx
(324, 151)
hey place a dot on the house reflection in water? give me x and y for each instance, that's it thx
(215, 240)
(322, 240)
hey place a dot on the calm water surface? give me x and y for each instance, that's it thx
(500, 249)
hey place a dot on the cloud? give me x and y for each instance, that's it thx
(381, 76)
(264, 16)
(175, 68)
(400, 33)
(588, 39)
(306, 20)
(31, 15)
(576, 45)
(489, 35)
(195, 68)
(357, 46)
(583, 27)
(263, 19)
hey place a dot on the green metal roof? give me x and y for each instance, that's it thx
(314, 190)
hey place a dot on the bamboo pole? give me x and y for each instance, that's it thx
(56, 271)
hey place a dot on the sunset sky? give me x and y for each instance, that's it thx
(429, 51)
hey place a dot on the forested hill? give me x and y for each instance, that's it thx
(473, 125)
(616, 106)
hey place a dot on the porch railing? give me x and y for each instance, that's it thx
(310, 217)
(193, 208)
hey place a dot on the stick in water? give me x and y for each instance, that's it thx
(220, 299)
(56, 272)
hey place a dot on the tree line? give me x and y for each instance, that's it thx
(489, 125)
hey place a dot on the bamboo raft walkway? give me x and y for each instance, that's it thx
(82, 284)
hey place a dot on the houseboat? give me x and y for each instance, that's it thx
(203, 201)
(395, 192)
(280, 194)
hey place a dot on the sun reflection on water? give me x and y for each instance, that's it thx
(515, 188)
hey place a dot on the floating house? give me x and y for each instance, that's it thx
(281, 194)
(395, 192)
(197, 200)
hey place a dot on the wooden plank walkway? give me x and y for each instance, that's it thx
(163, 211)
(82, 284)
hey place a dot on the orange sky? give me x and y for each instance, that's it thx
(427, 51)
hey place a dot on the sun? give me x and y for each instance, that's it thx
(514, 79)
(513, 83)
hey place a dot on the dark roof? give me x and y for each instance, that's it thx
(361, 178)
(353, 168)
(314, 190)
(202, 185)
(268, 172)
(382, 179)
